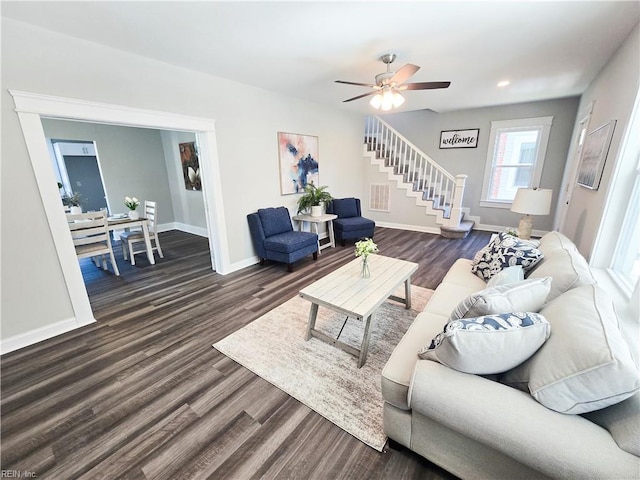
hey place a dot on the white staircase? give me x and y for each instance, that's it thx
(432, 186)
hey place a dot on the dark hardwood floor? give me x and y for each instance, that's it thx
(143, 394)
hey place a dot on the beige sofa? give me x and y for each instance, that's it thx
(477, 427)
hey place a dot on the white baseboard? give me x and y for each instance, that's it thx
(183, 227)
(39, 334)
(499, 228)
(247, 262)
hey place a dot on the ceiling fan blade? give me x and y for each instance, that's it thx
(356, 83)
(424, 85)
(360, 96)
(404, 73)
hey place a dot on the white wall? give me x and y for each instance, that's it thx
(131, 161)
(247, 119)
(613, 93)
(423, 128)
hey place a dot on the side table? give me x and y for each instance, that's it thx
(327, 218)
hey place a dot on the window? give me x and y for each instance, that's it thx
(515, 158)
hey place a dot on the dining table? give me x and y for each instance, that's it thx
(120, 222)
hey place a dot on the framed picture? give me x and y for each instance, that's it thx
(459, 138)
(299, 162)
(190, 166)
(594, 154)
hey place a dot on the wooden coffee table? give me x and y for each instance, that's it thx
(346, 292)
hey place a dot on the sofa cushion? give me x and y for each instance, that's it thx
(505, 251)
(275, 220)
(622, 420)
(585, 365)
(508, 275)
(525, 296)
(345, 207)
(290, 241)
(488, 344)
(563, 262)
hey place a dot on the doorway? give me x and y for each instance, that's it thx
(32, 108)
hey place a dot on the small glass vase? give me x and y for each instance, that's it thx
(365, 272)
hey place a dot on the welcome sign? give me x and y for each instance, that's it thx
(459, 138)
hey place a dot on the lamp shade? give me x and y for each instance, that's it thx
(532, 201)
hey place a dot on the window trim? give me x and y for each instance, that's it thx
(544, 123)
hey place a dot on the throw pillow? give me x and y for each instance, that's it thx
(505, 251)
(508, 275)
(586, 365)
(526, 296)
(488, 344)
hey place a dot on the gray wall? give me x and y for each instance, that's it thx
(423, 128)
(131, 159)
(613, 93)
(188, 205)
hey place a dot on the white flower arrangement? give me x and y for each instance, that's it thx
(131, 203)
(366, 247)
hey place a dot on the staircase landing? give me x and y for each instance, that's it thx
(457, 232)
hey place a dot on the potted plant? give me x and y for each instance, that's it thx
(132, 203)
(73, 202)
(313, 198)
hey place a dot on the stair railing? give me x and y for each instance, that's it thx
(445, 190)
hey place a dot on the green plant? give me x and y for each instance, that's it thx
(71, 200)
(366, 247)
(313, 196)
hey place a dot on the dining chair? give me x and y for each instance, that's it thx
(90, 234)
(131, 238)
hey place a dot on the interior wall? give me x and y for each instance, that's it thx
(423, 128)
(188, 205)
(613, 93)
(131, 160)
(247, 119)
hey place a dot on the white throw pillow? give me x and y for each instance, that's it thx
(488, 344)
(508, 275)
(586, 365)
(525, 296)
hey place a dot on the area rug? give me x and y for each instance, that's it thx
(322, 376)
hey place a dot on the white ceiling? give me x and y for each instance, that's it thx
(546, 49)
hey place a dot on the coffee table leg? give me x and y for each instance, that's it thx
(364, 349)
(407, 293)
(313, 314)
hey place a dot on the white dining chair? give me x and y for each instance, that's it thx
(90, 234)
(130, 239)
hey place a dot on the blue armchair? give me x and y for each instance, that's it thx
(350, 223)
(274, 238)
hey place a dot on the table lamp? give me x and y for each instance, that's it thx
(531, 201)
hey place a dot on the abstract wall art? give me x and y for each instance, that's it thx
(299, 163)
(594, 154)
(190, 166)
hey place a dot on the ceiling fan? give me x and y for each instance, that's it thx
(389, 85)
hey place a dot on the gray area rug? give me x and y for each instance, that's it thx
(319, 375)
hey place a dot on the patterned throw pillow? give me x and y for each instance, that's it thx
(505, 251)
(489, 344)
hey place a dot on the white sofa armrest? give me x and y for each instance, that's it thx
(558, 445)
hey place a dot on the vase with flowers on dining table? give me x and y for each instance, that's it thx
(132, 203)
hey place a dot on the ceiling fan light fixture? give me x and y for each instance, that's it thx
(376, 101)
(397, 99)
(387, 100)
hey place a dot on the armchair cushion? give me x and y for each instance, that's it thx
(289, 242)
(275, 221)
(346, 207)
(354, 223)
